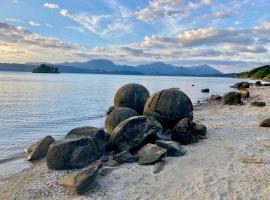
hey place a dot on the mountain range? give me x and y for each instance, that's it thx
(102, 66)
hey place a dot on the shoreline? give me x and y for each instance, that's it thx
(211, 169)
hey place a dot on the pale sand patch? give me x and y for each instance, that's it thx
(211, 169)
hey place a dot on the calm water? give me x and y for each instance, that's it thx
(35, 105)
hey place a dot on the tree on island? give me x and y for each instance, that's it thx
(43, 68)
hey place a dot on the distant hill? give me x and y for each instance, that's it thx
(257, 73)
(102, 66)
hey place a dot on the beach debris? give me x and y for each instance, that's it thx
(207, 90)
(116, 116)
(79, 148)
(169, 106)
(215, 97)
(133, 133)
(39, 149)
(174, 149)
(125, 157)
(82, 181)
(251, 160)
(241, 85)
(265, 123)
(258, 103)
(244, 93)
(151, 153)
(131, 96)
(232, 98)
(184, 132)
(159, 166)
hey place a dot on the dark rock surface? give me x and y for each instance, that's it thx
(116, 116)
(169, 106)
(82, 181)
(173, 148)
(39, 149)
(131, 96)
(232, 98)
(150, 154)
(205, 90)
(258, 103)
(125, 157)
(265, 123)
(133, 133)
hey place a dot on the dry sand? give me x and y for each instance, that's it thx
(211, 169)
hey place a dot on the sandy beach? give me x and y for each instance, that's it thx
(211, 169)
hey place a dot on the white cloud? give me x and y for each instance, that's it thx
(106, 26)
(32, 23)
(14, 20)
(51, 6)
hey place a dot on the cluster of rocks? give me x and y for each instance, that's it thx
(138, 128)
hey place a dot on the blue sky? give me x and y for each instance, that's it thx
(230, 35)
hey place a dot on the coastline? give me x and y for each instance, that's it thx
(211, 169)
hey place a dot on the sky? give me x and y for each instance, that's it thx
(231, 35)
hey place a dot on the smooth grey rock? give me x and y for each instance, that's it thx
(173, 148)
(150, 154)
(39, 149)
(82, 181)
(125, 157)
(77, 150)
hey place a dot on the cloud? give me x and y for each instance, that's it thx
(158, 9)
(32, 23)
(50, 6)
(33, 47)
(14, 20)
(106, 26)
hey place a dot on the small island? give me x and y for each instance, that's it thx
(43, 68)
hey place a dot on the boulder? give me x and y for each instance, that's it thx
(184, 132)
(258, 83)
(215, 97)
(173, 148)
(125, 157)
(79, 148)
(169, 106)
(133, 133)
(232, 98)
(131, 96)
(241, 85)
(116, 116)
(82, 181)
(39, 149)
(111, 162)
(200, 129)
(205, 90)
(266, 84)
(258, 103)
(265, 123)
(244, 93)
(150, 154)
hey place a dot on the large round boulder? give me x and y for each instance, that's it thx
(133, 133)
(116, 116)
(169, 106)
(131, 96)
